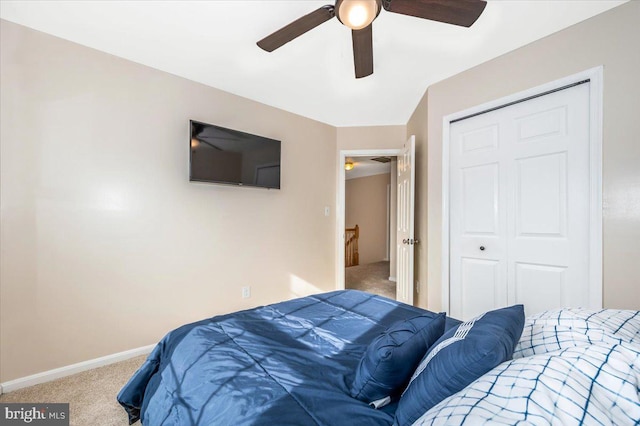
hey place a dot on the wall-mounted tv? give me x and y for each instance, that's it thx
(227, 156)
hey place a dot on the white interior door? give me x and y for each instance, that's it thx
(405, 221)
(519, 211)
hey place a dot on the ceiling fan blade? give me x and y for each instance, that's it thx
(363, 51)
(297, 28)
(456, 12)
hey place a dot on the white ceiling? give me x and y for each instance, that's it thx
(214, 42)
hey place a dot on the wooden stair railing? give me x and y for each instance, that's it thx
(351, 256)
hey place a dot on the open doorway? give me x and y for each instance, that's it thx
(401, 229)
(385, 271)
(370, 224)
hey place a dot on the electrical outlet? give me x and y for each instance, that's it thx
(327, 210)
(246, 292)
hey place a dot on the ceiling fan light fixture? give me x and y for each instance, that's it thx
(357, 14)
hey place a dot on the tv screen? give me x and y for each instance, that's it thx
(231, 157)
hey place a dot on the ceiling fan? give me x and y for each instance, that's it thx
(360, 14)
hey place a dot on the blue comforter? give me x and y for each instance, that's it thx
(290, 363)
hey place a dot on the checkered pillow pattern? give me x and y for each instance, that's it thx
(564, 328)
(591, 385)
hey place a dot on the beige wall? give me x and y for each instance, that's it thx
(371, 137)
(610, 39)
(366, 206)
(105, 245)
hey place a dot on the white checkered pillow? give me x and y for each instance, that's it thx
(565, 328)
(593, 384)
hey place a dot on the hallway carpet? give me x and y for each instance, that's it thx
(371, 277)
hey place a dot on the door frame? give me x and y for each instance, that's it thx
(595, 76)
(340, 202)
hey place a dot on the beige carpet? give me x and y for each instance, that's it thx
(371, 277)
(91, 395)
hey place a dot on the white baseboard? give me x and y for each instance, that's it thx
(392, 279)
(57, 373)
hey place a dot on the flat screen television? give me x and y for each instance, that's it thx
(220, 155)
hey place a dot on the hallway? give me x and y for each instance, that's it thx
(371, 277)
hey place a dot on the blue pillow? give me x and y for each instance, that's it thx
(391, 358)
(458, 358)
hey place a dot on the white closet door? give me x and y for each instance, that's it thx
(519, 206)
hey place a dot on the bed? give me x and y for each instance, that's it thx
(353, 358)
